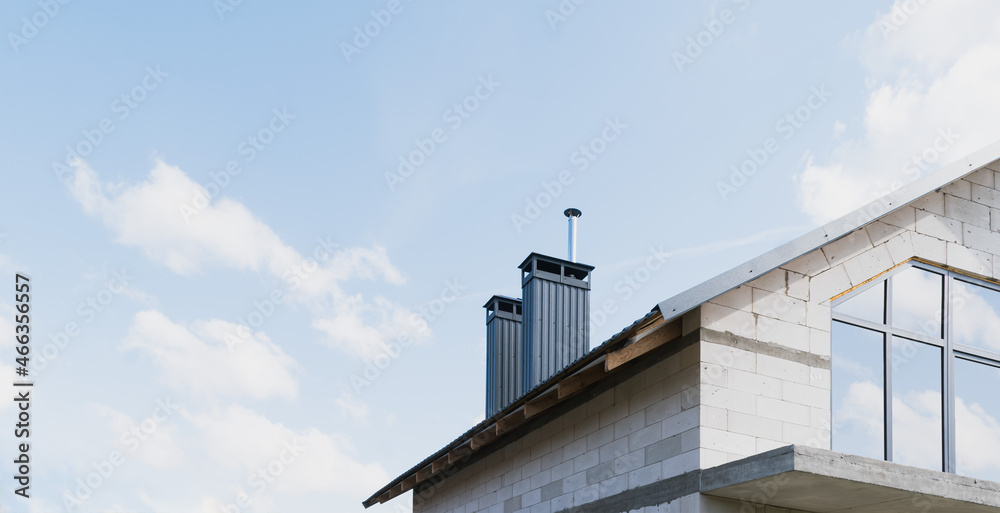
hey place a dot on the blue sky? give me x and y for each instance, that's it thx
(164, 102)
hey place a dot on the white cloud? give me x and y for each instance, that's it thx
(197, 359)
(224, 233)
(978, 433)
(932, 100)
(241, 439)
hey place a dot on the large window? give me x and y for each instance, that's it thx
(916, 371)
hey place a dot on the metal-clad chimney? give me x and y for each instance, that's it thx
(556, 323)
(503, 353)
(573, 214)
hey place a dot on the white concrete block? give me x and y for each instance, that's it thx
(713, 417)
(680, 464)
(779, 306)
(630, 424)
(764, 444)
(986, 196)
(818, 316)
(727, 399)
(805, 435)
(729, 357)
(929, 248)
(966, 211)
(773, 281)
(645, 436)
(783, 411)
(754, 425)
(819, 342)
(728, 320)
(939, 227)
(903, 217)
(847, 247)
(795, 336)
(810, 264)
(782, 369)
(644, 398)
(798, 285)
(900, 247)
(739, 298)
(727, 441)
(983, 177)
(932, 202)
(819, 377)
(663, 409)
(756, 384)
(868, 264)
(714, 374)
(806, 395)
(645, 475)
(829, 283)
(981, 239)
(958, 188)
(683, 421)
(970, 260)
(995, 219)
(879, 232)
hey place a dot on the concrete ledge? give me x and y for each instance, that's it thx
(820, 481)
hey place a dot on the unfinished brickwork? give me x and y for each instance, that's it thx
(634, 434)
(755, 374)
(765, 379)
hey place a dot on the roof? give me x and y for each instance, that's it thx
(625, 346)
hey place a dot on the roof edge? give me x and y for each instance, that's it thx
(819, 237)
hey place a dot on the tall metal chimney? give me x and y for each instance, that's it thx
(556, 323)
(503, 353)
(573, 214)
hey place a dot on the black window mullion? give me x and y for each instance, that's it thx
(887, 373)
(948, 375)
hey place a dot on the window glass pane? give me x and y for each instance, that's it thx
(916, 301)
(977, 420)
(858, 393)
(916, 404)
(975, 315)
(868, 305)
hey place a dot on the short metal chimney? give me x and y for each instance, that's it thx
(556, 323)
(573, 214)
(503, 353)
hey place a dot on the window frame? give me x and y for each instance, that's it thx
(949, 350)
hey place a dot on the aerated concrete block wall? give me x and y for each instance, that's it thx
(640, 431)
(765, 346)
